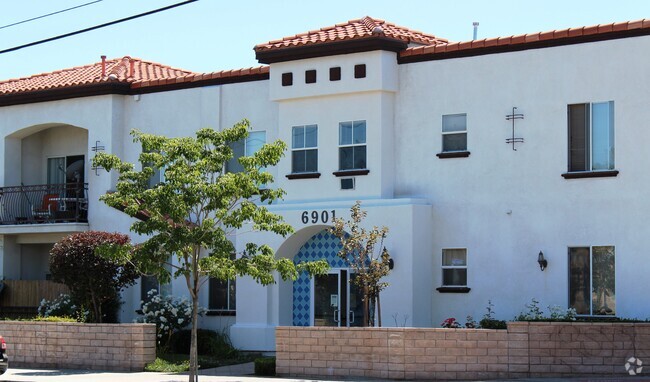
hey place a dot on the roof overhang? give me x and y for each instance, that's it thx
(273, 55)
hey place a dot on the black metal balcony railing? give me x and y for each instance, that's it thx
(47, 203)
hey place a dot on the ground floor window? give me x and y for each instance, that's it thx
(222, 295)
(592, 288)
(454, 267)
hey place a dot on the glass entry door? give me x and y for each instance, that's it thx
(336, 301)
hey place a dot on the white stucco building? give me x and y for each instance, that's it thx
(412, 125)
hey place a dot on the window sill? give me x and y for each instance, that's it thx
(590, 174)
(221, 313)
(453, 289)
(453, 154)
(303, 175)
(351, 172)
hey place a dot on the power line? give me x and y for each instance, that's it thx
(49, 14)
(96, 27)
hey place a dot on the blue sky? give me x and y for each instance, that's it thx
(211, 35)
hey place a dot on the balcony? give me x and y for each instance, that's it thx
(44, 204)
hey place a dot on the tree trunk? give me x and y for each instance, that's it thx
(194, 292)
(194, 370)
(366, 306)
(378, 311)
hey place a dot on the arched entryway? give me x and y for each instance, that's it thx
(326, 300)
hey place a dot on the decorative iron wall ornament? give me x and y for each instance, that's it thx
(512, 117)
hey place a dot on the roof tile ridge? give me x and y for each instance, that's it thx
(370, 24)
(136, 59)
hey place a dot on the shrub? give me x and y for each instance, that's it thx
(489, 322)
(94, 282)
(533, 313)
(62, 306)
(54, 319)
(450, 323)
(265, 366)
(169, 313)
(209, 343)
(471, 323)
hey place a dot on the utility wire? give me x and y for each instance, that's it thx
(96, 27)
(49, 14)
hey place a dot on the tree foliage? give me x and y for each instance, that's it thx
(94, 282)
(194, 212)
(370, 266)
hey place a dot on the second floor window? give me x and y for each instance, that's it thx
(454, 132)
(352, 145)
(304, 149)
(245, 147)
(591, 136)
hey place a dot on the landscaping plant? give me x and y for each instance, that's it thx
(94, 282)
(169, 313)
(192, 214)
(368, 265)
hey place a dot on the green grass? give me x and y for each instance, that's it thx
(176, 363)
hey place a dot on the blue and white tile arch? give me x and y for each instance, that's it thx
(323, 245)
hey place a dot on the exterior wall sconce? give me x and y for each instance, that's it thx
(391, 264)
(543, 263)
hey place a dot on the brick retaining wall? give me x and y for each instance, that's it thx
(536, 349)
(115, 347)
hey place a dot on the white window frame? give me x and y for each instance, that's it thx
(443, 266)
(365, 143)
(591, 140)
(444, 133)
(304, 148)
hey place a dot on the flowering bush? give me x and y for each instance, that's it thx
(169, 313)
(450, 323)
(62, 306)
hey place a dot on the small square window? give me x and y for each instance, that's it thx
(335, 73)
(347, 184)
(360, 71)
(287, 79)
(310, 76)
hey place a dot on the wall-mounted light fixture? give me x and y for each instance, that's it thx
(543, 263)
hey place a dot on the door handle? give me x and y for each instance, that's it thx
(336, 316)
(352, 320)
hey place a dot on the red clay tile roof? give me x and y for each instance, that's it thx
(521, 41)
(116, 70)
(145, 74)
(366, 27)
(224, 74)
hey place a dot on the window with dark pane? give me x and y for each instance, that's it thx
(287, 79)
(335, 73)
(352, 145)
(304, 151)
(591, 136)
(222, 295)
(454, 132)
(592, 287)
(360, 71)
(310, 76)
(454, 267)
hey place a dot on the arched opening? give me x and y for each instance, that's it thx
(45, 172)
(327, 300)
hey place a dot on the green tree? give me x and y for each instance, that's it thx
(358, 251)
(194, 212)
(94, 282)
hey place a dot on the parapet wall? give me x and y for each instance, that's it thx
(525, 349)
